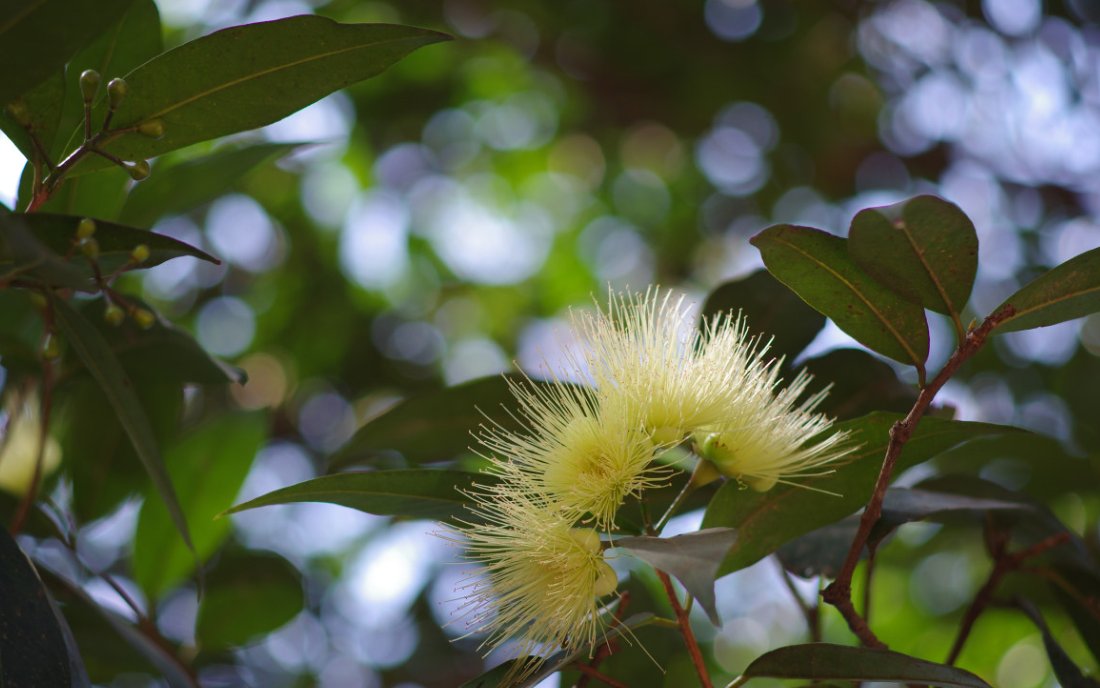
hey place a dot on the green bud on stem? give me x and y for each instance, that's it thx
(145, 319)
(154, 128)
(138, 170)
(114, 315)
(51, 347)
(89, 84)
(89, 247)
(85, 228)
(116, 91)
(140, 254)
(19, 112)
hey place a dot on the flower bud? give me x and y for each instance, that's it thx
(116, 91)
(138, 170)
(89, 84)
(144, 318)
(89, 247)
(51, 347)
(140, 254)
(153, 128)
(85, 228)
(114, 315)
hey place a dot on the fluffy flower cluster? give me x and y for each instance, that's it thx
(581, 452)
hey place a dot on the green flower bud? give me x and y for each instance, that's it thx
(51, 347)
(19, 112)
(89, 84)
(140, 254)
(38, 300)
(85, 228)
(114, 315)
(138, 170)
(116, 91)
(154, 128)
(145, 319)
(89, 247)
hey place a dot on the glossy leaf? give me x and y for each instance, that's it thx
(773, 312)
(902, 505)
(177, 188)
(247, 594)
(207, 467)
(248, 76)
(817, 267)
(1068, 291)
(692, 558)
(435, 426)
(766, 520)
(859, 384)
(924, 249)
(840, 662)
(65, 26)
(438, 495)
(96, 355)
(32, 645)
(820, 552)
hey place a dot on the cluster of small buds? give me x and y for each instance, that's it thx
(117, 89)
(114, 314)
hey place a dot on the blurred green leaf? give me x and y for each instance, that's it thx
(925, 249)
(247, 594)
(826, 661)
(247, 76)
(32, 644)
(1069, 675)
(179, 187)
(1068, 291)
(438, 495)
(41, 36)
(766, 520)
(94, 351)
(207, 467)
(902, 505)
(816, 265)
(859, 384)
(435, 426)
(23, 255)
(774, 312)
(1078, 591)
(820, 552)
(693, 558)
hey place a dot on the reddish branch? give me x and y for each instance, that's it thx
(685, 630)
(839, 593)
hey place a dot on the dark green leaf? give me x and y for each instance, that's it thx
(772, 310)
(207, 467)
(94, 351)
(766, 520)
(1078, 590)
(925, 249)
(859, 384)
(1068, 291)
(692, 558)
(23, 255)
(32, 645)
(820, 552)
(246, 595)
(840, 662)
(1069, 675)
(179, 187)
(248, 76)
(435, 426)
(816, 265)
(901, 505)
(438, 495)
(41, 36)
(43, 105)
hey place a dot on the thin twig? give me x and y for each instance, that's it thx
(688, 488)
(810, 613)
(607, 648)
(839, 593)
(685, 630)
(590, 672)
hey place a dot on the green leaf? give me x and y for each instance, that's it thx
(772, 310)
(766, 520)
(43, 107)
(248, 76)
(1069, 675)
(23, 255)
(901, 505)
(94, 351)
(817, 267)
(692, 558)
(1068, 291)
(925, 249)
(438, 495)
(247, 594)
(435, 426)
(859, 384)
(32, 644)
(820, 552)
(840, 662)
(208, 467)
(41, 35)
(179, 187)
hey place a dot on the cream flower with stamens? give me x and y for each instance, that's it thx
(543, 578)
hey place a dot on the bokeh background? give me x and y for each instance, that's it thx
(445, 216)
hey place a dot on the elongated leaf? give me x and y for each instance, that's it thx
(692, 558)
(207, 468)
(840, 662)
(817, 267)
(766, 520)
(42, 105)
(247, 76)
(435, 426)
(925, 249)
(65, 26)
(247, 594)
(772, 310)
(1068, 291)
(901, 505)
(22, 254)
(104, 367)
(183, 186)
(32, 645)
(438, 495)
(1069, 675)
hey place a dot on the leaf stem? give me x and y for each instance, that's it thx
(839, 593)
(688, 488)
(685, 630)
